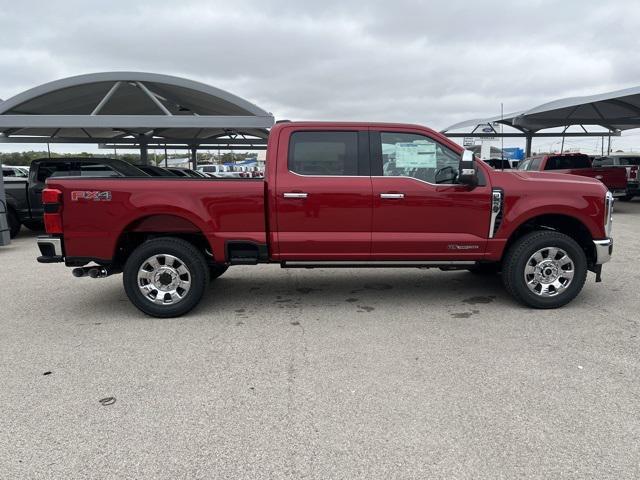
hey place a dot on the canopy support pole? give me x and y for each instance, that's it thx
(527, 148)
(144, 154)
(194, 158)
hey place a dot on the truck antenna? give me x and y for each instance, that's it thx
(502, 135)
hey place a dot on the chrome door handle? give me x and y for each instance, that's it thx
(392, 195)
(295, 195)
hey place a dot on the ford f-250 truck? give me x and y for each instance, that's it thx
(334, 195)
(579, 164)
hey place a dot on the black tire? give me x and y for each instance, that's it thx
(217, 270)
(14, 223)
(515, 261)
(626, 198)
(485, 269)
(188, 255)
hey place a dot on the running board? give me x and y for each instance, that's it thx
(379, 264)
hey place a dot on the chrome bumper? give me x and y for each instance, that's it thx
(604, 249)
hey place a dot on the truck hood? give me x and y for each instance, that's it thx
(556, 178)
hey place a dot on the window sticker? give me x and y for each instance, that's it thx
(418, 154)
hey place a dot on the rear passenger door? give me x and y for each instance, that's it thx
(323, 195)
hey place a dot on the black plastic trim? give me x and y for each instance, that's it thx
(81, 261)
(261, 249)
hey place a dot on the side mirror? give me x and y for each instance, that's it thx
(468, 174)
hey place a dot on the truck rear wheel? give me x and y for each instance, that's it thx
(544, 269)
(165, 277)
(14, 223)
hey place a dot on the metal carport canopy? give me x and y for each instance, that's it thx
(616, 111)
(132, 108)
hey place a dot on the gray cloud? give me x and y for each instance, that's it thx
(434, 63)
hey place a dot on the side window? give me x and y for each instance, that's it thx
(7, 172)
(96, 170)
(419, 157)
(535, 164)
(524, 165)
(324, 153)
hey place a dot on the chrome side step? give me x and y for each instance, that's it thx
(379, 264)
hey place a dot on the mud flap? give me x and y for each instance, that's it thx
(597, 269)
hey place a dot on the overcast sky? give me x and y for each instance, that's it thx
(434, 63)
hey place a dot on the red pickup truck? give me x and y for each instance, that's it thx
(615, 179)
(334, 195)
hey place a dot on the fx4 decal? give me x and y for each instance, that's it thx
(90, 195)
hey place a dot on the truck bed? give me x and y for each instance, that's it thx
(97, 211)
(614, 178)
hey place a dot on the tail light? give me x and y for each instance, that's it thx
(52, 203)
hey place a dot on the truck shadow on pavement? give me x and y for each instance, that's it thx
(365, 292)
(242, 293)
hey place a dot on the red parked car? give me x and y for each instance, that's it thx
(335, 194)
(579, 164)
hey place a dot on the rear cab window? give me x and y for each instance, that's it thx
(566, 162)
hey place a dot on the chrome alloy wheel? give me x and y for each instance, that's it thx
(549, 272)
(164, 279)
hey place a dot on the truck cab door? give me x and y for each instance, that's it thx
(323, 195)
(419, 211)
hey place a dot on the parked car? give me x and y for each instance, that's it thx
(24, 193)
(630, 162)
(578, 164)
(154, 171)
(499, 163)
(11, 171)
(219, 171)
(330, 199)
(186, 172)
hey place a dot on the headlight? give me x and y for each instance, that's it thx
(608, 213)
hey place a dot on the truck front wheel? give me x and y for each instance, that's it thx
(165, 277)
(544, 269)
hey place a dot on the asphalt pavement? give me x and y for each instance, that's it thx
(320, 374)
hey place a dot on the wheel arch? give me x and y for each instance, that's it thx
(158, 225)
(563, 223)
